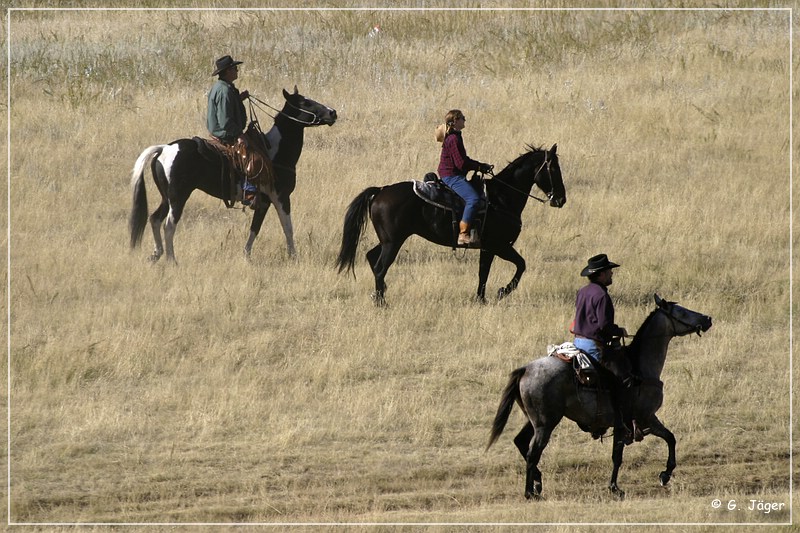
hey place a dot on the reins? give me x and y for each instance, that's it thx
(254, 102)
(546, 162)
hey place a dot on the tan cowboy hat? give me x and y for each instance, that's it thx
(224, 63)
(597, 264)
(440, 132)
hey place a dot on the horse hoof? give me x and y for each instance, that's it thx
(502, 293)
(617, 492)
(663, 478)
(535, 493)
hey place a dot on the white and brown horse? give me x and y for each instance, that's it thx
(179, 168)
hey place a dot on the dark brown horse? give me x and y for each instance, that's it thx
(397, 213)
(547, 391)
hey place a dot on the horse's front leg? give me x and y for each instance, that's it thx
(511, 255)
(283, 207)
(616, 457)
(658, 429)
(255, 226)
(486, 260)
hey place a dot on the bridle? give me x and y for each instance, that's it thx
(696, 327)
(545, 165)
(316, 120)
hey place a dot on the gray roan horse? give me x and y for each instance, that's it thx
(547, 390)
(178, 169)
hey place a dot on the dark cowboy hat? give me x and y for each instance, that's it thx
(597, 264)
(224, 63)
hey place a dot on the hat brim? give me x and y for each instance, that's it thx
(587, 271)
(226, 67)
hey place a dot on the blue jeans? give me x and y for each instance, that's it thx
(589, 346)
(465, 191)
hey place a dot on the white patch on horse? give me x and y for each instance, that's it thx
(167, 158)
(273, 141)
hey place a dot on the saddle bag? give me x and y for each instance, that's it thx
(252, 158)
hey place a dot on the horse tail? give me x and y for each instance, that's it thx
(355, 220)
(507, 400)
(138, 218)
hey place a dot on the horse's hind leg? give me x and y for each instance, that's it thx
(387, 255)
(658, 429)
(156, 220)
(533, 476)
(523, 440)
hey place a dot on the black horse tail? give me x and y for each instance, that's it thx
(355, 220)
(507, 401)
(138, 219)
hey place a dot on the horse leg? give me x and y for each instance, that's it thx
(486, 260)
(616, 457)
(283, 208)
(658, 429)
(523, 440)
(533, 476)
(388, 253)
(511, 255)
(156, 220)
(169, 232)
(255, 226)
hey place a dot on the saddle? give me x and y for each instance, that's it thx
(585, 371)
(247, 161)
(434, 191)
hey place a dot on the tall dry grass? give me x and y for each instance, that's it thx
(219, 390)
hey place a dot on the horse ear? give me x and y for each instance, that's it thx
(286, 95)
(659, 301)
(553, 149)
(295, 90)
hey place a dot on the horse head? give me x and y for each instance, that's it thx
(306, 111)
(683, 321)
(548, 179)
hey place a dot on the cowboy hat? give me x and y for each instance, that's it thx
(597, 264)
(224, 63)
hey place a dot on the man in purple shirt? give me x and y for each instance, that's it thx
(594, 331)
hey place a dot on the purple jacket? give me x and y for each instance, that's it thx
(594, 314)
(454, 160)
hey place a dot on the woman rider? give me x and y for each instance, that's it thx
(453, 167)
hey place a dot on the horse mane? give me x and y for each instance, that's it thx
(633, 348)
(512, 167)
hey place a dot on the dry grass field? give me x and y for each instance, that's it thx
(272, 391)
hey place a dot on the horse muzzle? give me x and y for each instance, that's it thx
(704, 325)
(330, 118)
(557, 202)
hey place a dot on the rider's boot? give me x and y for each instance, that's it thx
(466, 237)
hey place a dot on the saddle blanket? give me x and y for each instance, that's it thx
(582, 363)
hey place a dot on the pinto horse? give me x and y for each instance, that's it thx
(547, 391)
(179, 168)
(397, 213)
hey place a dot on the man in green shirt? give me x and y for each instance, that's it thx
(227, 117)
